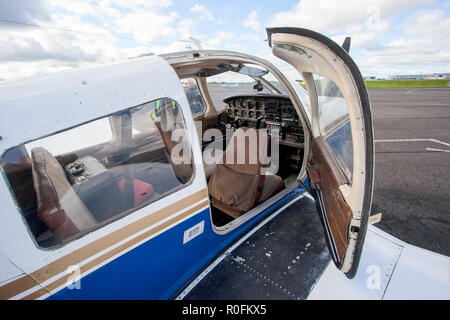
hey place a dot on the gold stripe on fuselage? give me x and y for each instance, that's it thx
(60, 265)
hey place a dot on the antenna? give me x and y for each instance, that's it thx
(346, 44)
(196, 42)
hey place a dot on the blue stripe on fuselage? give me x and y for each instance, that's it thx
(158, 268)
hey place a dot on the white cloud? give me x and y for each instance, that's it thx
(36, 51)
(252, 20)
(224, 35)
(185, 27)
(397, 59)
(224, 40)
(358, 40)
(76, 7)
(424, 47)
(147, 4)
(30, 51)
(75, 23)
(249, 36)
(429, 23)
(24, 11)
(421, 44)
(344, 16)
(204, 12)
(146, 26)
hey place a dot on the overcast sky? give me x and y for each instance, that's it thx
(388, 37)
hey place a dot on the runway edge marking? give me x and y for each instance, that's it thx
(414, 140)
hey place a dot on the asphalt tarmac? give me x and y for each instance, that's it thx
(412, 163)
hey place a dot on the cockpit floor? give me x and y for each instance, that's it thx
(282, 260)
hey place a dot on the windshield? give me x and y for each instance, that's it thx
(251, 71)
(230, 83)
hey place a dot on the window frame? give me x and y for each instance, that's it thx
(100, 225)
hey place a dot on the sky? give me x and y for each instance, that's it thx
(388, 37)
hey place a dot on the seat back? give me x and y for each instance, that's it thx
(166, 125)
(236, 185)
(247, 151)
(58, 205)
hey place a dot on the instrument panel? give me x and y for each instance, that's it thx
(245, 108)
(271, 111)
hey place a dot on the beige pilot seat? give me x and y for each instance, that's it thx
(58, 205)
(239, 183)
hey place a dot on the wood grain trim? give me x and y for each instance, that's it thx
(338, 212)
(60, 265)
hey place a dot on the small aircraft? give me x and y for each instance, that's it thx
(126, 181)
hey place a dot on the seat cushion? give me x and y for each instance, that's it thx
(272, 185)
(234, 189)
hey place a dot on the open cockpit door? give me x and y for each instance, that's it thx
(341, 161)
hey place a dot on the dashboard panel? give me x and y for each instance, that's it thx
(270, 111)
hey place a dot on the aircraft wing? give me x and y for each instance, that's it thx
(389, 269)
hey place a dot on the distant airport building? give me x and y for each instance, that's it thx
(373, 78)
(420, 76)
(439, 76)
(408, 77)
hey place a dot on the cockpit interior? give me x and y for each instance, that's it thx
(237, 109)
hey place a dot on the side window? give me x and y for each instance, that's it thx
(106, 169)
(79, 137)
(194, 96)
(334, 123)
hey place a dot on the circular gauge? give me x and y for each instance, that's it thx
(258, 114)
(236, 112)
(243, 114)
(258, 105)
(230, 112)
(243, 103)
(250, 105)
(251, 114)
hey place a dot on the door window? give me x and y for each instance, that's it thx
(334, 123)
